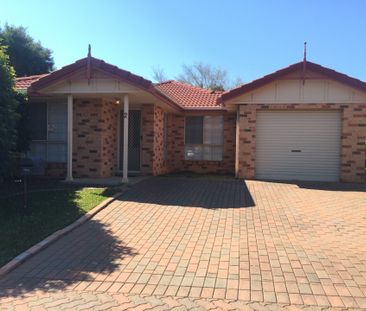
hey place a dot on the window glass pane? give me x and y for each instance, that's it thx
(193, 152)
(57, 122)
(194, 130)
(213, 130)
(56, 152)
(38, 121)
(212, 153)
(217, 153)
(37, 151)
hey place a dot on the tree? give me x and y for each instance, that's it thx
(159, 74)
(8, 113)
(27, 56)
(204, 76)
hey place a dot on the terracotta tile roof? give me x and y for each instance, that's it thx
(183, 95)
(23, 83)
(188, 96)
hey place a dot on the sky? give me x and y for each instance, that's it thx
(247, 38)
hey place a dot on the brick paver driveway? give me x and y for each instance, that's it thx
(204, 244)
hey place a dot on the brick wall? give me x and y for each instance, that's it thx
(153, 159)
(353, 138)
(176, 149)
(109, 119)
(94, 138)
(147, 142)
(162, 161)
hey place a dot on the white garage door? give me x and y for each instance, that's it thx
(298, 145)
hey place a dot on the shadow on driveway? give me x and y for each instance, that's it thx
(195, 192)
(89, 252)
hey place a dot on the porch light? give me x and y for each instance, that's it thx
(117, 101)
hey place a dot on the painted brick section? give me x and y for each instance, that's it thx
(94, 140)
(176, 149)
(353, 150)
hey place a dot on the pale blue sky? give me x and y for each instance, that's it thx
(247, 38)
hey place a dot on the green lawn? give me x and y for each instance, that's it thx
(47, 212)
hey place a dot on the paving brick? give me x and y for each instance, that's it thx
(282, 243)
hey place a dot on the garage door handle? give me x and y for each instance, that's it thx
(295, 150)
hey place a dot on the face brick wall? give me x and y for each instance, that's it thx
(147, 142)
(94, 139)
(109, 119)
(176, 149)
(161, 159)
(353, 138)
(154, 160)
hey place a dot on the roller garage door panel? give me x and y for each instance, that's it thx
(298, 145)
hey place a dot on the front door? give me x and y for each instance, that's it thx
(134, 135)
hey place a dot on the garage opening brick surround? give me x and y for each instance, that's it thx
(353, 148)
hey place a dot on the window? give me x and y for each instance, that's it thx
(48, 123)
(37, 121)
(204, 138)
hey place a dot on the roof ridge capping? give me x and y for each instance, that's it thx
(184, 84)
(331, 73)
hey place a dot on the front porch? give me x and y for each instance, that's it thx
(109, 122)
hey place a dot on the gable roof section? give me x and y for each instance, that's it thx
(95, 63)
(332, 74)
(67, 71)
(190, 97)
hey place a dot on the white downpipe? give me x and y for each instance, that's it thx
(125, 138)
(69, 137)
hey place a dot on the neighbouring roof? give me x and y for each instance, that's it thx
(188, 96)
(332, 74)
(22, 83)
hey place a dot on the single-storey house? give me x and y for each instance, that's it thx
(93, 119)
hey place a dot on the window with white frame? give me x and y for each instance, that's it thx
(204, 136)
(48, 131)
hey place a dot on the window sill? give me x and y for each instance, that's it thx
(205, 161)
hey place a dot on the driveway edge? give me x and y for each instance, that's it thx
(15, 262)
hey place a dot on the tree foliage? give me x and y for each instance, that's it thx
(27, 56)
(204, 76)
(159, 74)
(201, 75)
(8, 112)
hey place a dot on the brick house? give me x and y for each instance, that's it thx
(92, 119)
